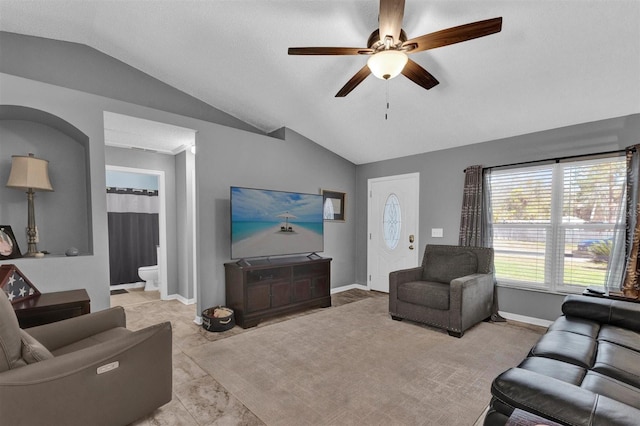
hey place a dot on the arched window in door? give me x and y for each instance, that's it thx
(391, 221)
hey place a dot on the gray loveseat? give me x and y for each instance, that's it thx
(452, 289)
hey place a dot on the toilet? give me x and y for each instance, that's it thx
(149, 274)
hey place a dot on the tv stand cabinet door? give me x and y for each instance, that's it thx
(301, 290)
(258, 297)
(280, 294)
(320, 287)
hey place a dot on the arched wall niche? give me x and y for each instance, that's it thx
(63, 217)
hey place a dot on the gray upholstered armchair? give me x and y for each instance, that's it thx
(453, 289)
(87, 370)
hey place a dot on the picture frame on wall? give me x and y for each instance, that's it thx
(8, 245)
(334, 205)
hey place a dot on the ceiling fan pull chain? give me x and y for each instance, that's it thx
(386, 114)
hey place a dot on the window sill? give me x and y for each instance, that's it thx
(538, 289)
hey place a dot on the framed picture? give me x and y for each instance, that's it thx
(334, 205)
(8, 245)
(16, 285)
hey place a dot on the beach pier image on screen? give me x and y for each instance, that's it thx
(272, 223)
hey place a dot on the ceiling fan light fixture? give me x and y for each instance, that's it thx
(387, 64)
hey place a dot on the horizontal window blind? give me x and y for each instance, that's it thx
(553, 224)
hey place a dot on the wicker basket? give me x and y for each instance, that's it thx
(219, 318)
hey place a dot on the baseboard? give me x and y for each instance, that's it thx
(127, 286)
(198, 320)
(349, 287)
(180, 298)
(528, 320)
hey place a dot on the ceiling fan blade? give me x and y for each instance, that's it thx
(355, 80)
(454, 35)
(330, 51)
(419, 75)
(390, 19)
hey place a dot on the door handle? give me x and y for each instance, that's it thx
(411, 237)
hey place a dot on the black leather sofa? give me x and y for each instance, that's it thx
(584, 371)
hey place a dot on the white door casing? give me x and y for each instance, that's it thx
(392, 229)
(162, 222)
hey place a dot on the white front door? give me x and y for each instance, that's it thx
(392, 227)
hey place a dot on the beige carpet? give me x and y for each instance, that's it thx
(354, 365)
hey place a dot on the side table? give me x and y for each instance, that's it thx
(612, 296)
(52, 307)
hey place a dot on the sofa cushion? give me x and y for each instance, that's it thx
(576, 325)
(446, 266)
(568, 347)
(32, 350)
(620, 336)
(553, 368)
(618, 362)
(10, 342)
(431, 294)
(612, 388)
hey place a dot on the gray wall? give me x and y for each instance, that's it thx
(61, 215)
(80, 67)
(137, 159)
(442, 179)
(225, 157)
(235, 158)
(65, 273)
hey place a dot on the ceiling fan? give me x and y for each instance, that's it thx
(388, 47)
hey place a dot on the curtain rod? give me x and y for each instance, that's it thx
(557, 160)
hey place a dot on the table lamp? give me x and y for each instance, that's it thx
(30, 173)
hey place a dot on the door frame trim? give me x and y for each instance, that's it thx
(162, 221)
(372, 181)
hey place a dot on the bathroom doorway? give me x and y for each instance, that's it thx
(167, 151)
(137, 224)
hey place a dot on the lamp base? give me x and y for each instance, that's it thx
(33, 254)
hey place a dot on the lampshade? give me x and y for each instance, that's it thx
(29, 172)
(387, 63)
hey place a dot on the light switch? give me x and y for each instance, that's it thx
(437, 232)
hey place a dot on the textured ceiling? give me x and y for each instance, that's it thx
(125, 132)
(555, 63)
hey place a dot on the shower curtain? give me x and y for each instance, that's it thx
(133, 232)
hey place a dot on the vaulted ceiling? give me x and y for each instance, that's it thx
(555, 63)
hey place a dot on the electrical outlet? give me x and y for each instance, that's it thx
(437, 232)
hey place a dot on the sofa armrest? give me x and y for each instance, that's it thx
(560, 401)
(470, 300)
(69, 389)
(605, 311)
(405, 275)
(62, 333)
(398, 277)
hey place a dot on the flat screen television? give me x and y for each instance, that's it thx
(273, 223)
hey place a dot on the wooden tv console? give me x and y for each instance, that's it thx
(264, 288)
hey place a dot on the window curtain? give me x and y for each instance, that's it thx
(471, 229)
(625, 251)
(133, 232)
(475, 227)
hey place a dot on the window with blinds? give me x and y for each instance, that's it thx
(553, 224)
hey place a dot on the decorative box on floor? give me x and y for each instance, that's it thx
(218, 319)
